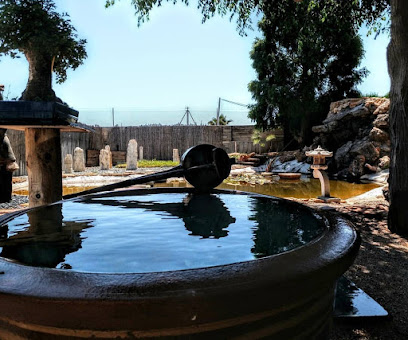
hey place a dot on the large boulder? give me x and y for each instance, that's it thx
(379, 135)
(342, 155)
(356, 168)
(357, 131)
(382, 121)
(365, 148)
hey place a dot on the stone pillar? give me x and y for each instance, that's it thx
(104, 159)
(131, 155)
(140, 152)
(176, 156)
(79, 160)
(68, 164)
(107, 148)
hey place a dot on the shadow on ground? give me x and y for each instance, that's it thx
(381, 270)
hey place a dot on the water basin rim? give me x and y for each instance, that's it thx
(337, 244)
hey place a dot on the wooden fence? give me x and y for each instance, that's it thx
(158, 141)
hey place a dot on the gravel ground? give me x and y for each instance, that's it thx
(15, 203)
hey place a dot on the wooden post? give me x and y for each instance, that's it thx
(44, 168)
(218, 111)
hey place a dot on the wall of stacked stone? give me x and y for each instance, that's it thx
(357, 131)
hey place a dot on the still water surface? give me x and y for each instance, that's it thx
(157, 232)
(303, 188)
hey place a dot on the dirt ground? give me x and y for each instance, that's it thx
(380, 269)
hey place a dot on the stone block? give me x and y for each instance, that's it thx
(383, 108)
(68, 164)
(176, 156)
(79, 160)
(131, 155)
(382, 121)
(104, 159)
(378, 135)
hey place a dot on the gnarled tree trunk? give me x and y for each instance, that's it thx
(39, 85)
(397, 54)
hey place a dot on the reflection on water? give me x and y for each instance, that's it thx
(282, 235)
(66, 190)
(351, 301)
(303, 188)
(156, 232)
(203, 215)
(42, 238)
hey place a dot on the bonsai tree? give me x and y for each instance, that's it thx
(46, 38)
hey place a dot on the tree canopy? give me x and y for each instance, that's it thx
(307, 58)
(239, 9)
(45, 37)
(375, 13)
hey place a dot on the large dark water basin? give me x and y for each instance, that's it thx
(157, 232)
(279, 288)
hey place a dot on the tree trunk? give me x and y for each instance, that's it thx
(39, 85)
(397, 54)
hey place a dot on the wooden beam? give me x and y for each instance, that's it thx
(43, 157)
(64, 128)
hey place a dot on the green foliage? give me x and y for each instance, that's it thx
(239, 9)
(144, 163)
(374, 13)
(374, 94)
(34, 26)
(223, 120)
(262, 137)
(307, 58)
(371, 94)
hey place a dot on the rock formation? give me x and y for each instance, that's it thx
(357, 131)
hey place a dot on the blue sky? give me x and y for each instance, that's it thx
(168, 63)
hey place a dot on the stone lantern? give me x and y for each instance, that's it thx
(319, 165)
